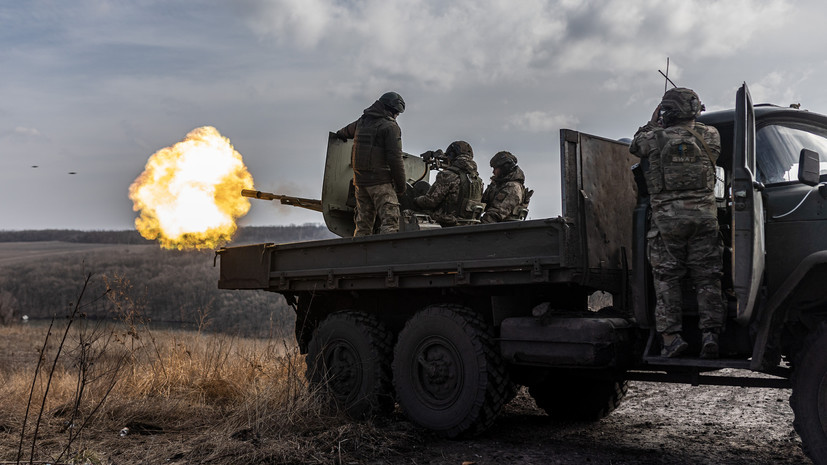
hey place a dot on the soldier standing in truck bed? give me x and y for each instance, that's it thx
(378, 171)
(683, 231)
(457, 189)
(506, 198)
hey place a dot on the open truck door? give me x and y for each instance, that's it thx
(747, 210)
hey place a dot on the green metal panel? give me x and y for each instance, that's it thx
(337, 191)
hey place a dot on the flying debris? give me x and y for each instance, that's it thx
(35, 166)
(73, 172)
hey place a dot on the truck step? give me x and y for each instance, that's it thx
(657, 361)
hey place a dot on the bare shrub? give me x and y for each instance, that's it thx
(8, 308)
(123, 392)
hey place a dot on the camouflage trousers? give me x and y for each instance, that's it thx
(686, 246)
(373, 201)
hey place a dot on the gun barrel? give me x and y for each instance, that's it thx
(310, 204)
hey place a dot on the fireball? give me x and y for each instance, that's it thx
(189, 195)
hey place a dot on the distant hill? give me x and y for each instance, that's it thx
(245, 235)
(41, 271)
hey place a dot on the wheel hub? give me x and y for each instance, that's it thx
(438, 372)
(343, 368)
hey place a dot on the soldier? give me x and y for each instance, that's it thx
(683, 231)
(506, 198)
(378, 171)
(457, 189)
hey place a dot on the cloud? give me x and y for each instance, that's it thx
(448, 45)
(22, 134)
(541, 121)
(780, 87)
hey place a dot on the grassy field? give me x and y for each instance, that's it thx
(114, 389)
(131, 395)
(18, 252)
(39, 279)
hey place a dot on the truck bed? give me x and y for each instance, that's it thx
(586, 246)
(532, 251)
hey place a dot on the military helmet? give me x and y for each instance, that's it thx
(680, 104)
(504, 160)
(458, 148)
(393, 102)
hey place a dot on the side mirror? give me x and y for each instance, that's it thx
(809, 167)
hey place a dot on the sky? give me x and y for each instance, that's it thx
(94, 87)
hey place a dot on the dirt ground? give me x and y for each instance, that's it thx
(656, 424)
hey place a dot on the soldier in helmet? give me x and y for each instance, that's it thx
(457, 189)
(378, 171)
(506, 198)
(683, 231)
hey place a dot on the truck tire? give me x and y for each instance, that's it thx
(448, 374)
(809, 396)
(571, 398)
(349, 362)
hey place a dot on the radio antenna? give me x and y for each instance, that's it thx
(666, 76)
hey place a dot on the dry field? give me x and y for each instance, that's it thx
(16, 252)
(187, 397)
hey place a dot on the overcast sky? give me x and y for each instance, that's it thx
(97, 86)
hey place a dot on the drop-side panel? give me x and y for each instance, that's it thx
(599, 194)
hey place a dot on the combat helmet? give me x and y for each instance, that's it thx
(680, 104)
(504, 160)
(393, 102)
(457, 148)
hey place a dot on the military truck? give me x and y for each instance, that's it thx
(447, 322)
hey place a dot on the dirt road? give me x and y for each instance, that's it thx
(656, 424)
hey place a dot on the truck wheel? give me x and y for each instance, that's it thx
(579, 398)
(809, 397)
(449, 376)
(349, 360)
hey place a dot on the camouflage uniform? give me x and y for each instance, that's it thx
(503, 195)
(381, 200)
(683, 236)
(378, 171)
(446, 198)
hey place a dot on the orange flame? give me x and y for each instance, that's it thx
(189, 195)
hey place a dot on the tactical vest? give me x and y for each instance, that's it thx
(467, 203)
(680, 164)
(368, 153)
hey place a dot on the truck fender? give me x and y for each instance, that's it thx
(777, 301)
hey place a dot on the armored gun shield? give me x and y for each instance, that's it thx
(338, 197)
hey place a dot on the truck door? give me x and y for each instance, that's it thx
(747, 210)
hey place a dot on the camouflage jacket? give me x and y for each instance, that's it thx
(442, 201)
(377, 148)
(682, 203)
(503, 195)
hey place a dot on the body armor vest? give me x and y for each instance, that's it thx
(680, 164)
(468, 195)
(367, 155)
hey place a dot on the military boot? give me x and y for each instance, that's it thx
(709, 345)
(673, 345)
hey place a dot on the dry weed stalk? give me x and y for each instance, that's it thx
(203, 397)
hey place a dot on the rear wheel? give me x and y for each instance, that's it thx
(579, 398)
(348, 361)
(449, 376)
(809, 397)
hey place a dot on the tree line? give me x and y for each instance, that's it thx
(244, 235)
(162, 286)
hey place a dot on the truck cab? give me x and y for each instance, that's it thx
(772, 226)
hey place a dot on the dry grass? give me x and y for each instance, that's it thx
(185, 397)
